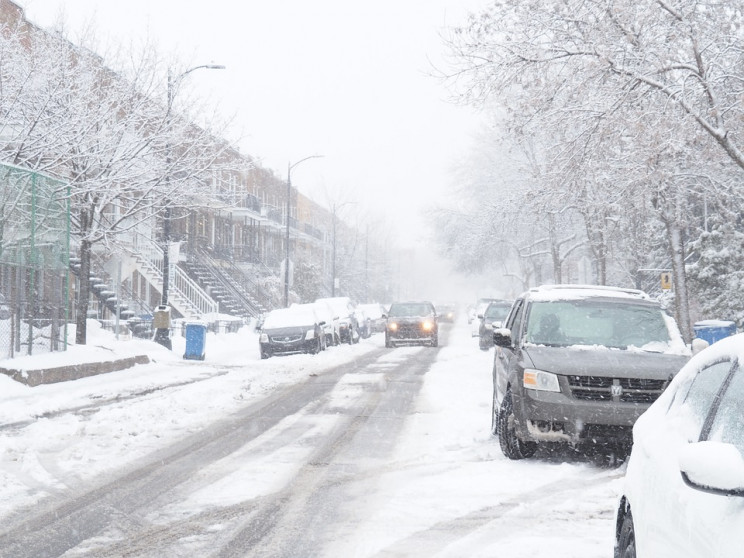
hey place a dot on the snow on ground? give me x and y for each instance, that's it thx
(449, 475)
(39, 445)
(448, 471)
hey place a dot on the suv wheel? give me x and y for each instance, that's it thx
(494, 414)
(435, 341)
(626, 538)
(388, 343)
(511, 445)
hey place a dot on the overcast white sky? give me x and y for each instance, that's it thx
(345, 79)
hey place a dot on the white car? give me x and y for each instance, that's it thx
(683, 491)
(343, 310)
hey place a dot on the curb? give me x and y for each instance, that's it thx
(57, 374)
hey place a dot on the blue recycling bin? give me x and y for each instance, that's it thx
(196, 340)
(714, 330)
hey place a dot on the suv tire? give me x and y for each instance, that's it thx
(511, 445)
(626, 538)
(494, 414)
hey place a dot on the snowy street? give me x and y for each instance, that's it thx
(359, 451)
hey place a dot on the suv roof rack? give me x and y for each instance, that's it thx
(632, 292)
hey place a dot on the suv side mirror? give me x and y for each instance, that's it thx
(502, 337)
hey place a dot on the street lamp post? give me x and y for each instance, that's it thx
(286, 240)
(162, 333)
(172, 82)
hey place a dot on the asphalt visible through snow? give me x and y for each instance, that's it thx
(361, 406)
(386, 455)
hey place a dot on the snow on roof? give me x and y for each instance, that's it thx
(572, 292)
(715, 323)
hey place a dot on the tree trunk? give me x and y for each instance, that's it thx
(83, 295)
(674, 231)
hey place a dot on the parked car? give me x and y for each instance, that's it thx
(580, 364)
(325, 314)
(477, 314)
(492, 318)
(343, 310)
(683, 492)
(375, 313)
(291, 331)
(412, 323)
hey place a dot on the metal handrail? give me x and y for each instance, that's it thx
(181, 283)
(191, 291)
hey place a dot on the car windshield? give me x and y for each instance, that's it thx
(410, 310)
(597, 322)
(497, 312)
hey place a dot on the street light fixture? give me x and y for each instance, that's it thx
(172, 82)
(286, 251)
(162, 332)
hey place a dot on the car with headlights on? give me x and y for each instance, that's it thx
(411, 323)
(446, 312)
(683, 491)
(291, 331)
(579, 364)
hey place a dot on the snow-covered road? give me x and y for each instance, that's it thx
(391, 455)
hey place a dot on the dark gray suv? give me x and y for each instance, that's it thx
(577, 364)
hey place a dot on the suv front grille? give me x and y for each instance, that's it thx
(625, 390)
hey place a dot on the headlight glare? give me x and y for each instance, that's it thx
(392, 326)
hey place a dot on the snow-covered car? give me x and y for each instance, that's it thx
(411, 323)
(492, 318)
(579, 364)
(325, 315)
(291, 331)
(683, 493)
(375, 314)
(343, 310)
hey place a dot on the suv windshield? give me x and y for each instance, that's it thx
(410, 310)
(597, 322)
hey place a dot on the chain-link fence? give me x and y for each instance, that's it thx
(34, 262)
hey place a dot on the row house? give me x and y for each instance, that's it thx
(225, 250)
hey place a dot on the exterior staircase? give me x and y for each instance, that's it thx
(185, 295)
(235, 293)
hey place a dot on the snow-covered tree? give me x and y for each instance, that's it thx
(637, 96)
(110, 135)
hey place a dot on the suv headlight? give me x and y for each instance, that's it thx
(264, 338)
(310, 334)
(427, 325)
(392, 326)
(540, 380)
